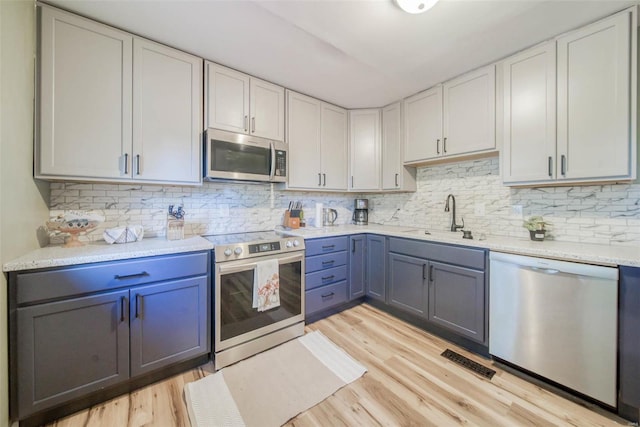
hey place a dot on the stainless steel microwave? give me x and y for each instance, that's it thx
(238, 157)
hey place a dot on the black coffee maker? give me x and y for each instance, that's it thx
(361, 212)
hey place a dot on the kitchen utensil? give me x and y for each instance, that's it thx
(329, 216)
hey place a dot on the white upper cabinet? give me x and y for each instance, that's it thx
(364, 149)
(317, 139)
(529, 147)
(395, 176)
(114, 107)
(85, 98)
(240, 103)
(470, 113)
(167, 113)
(597, 67)
(423, 125)
(583, 129)
(334, 147)
(453, 119)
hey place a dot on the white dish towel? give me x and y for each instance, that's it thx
(266, 285)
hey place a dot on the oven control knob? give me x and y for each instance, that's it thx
(296, 243)
(228, 252)
(238, 251)
(289, 244)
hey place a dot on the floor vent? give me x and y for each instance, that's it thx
(469, 364)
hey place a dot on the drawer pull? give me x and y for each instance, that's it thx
(130, 276)
(329, 277)
(328, 262)
(328, 247)
(329, 295)
(138, 298)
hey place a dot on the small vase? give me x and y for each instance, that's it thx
(537, 235)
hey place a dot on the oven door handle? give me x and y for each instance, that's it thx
(226, 268)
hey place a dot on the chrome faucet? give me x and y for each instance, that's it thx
(454, 226)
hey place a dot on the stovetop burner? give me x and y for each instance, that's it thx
(230, 247)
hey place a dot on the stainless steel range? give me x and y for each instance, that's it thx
(240, 329)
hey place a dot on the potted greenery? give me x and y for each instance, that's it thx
(537, 227)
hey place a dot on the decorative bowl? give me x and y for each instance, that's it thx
(73, 225)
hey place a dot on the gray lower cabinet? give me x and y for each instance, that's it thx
(629, 352)
(168, 323)
(325, 274)
(357, 264)
(456, 299)
(376, 267)
(69, 348)
(407, 280)
(81, 329)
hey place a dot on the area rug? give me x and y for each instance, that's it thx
(272, 387)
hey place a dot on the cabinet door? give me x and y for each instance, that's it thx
(470, 112)
(407, 279)
(167, 115)
(456, 299)
(227, 99)
(629, 344)
(334, 147)
(530, 115)
(84, 98)
(303, 137)
(376, 267)
(267, 110)
(594, 105)
(69, 348)
(364, 149)
(169, 323)
(423, 125)
(357, 262)
(392, 147)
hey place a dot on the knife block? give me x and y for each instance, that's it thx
(291, 221)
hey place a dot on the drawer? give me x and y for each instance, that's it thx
(324, 277)
(325, 297)
(83, 279)
(326, 245)
(322, 262)
(451, 254)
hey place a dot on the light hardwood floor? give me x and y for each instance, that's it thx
(408, 383)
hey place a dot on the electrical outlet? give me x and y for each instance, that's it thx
(516, 210)
(479, 209)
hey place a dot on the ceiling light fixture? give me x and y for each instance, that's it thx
(415, 6)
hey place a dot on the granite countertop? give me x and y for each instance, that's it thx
(568, 251)
(57, 256)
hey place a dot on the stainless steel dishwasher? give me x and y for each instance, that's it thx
(556, 319)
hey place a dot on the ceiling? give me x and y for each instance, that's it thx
(353, 53)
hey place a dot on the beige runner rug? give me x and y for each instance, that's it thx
(272, 387)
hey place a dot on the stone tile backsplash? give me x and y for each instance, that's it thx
(605, 214)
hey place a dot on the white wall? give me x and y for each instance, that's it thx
(23, 202)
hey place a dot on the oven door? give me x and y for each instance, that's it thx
(236, 321)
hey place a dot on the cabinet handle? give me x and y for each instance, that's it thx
(563, 165)
(126, 163)
(353, 246)
(437, 146)
(137, 164)
(431, 273)
(396, 180)
(130, 276)
(329, 295)
(328, 247)
(319, 179)
(329, 277)
(138, 298)
(328, 262)
(351, 181)
(444, 145)
(550, 167)
(122, 301)
(245, 123)
(324, 179)
(253, 124)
